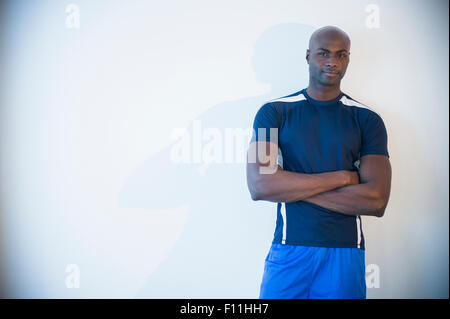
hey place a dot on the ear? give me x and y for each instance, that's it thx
(307, 55)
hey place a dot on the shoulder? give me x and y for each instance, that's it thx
(281, 104)
(364, 111)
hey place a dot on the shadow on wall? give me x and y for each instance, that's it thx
(217, 255)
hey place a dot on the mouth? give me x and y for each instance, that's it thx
(331, 74)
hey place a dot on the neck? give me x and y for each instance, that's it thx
(321, 92)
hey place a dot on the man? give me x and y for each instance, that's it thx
(333, 167)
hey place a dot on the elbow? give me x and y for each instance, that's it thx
(380, 197)
(256, 193)
(258, 190)
(255, 196)
(378, 203)
(254, 190)
(257, 181)
(260, 186)
(380, 207)
(379, 213)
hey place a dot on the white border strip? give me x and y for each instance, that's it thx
(358, 229)
(283, 214)
(351, 102)
(295, 98)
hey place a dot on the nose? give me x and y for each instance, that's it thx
(331, 63)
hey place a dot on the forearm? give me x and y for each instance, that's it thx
(286, 186)
(357, 199)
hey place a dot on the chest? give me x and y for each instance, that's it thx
(315, 131)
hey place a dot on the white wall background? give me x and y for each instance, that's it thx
(86, 121)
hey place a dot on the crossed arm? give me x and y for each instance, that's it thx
(340, 191)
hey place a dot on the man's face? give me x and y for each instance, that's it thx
(328, 58)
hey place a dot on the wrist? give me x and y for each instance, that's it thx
(346, 180)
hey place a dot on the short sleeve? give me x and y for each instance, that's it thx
(374, 136)
(266, 124)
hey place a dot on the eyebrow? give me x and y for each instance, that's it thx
(343, 50)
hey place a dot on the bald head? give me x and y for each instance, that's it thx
(329, 34)
(328, 56)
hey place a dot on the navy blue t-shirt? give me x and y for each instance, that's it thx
(315, 137)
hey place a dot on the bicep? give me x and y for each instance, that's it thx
(375, 170)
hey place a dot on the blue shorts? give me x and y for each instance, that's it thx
(298, 272)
